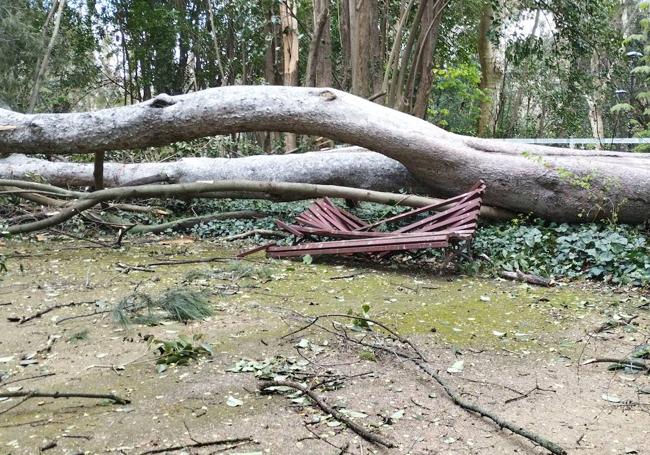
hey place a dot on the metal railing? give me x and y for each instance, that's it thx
(573, 141)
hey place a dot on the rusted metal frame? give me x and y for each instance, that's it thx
(308, 219)
(470, 214)
(293, 251)
(321, 215)
(415, 212)
(404, 239)
(438, 216)
(355, 219)
(477, 188)
(332, 215)
(255, 249)
(373, 234)
(289, 228)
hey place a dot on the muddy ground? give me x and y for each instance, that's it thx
(521, 349)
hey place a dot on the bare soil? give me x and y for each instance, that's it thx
(521, 347)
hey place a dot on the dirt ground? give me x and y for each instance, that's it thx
(521, 348)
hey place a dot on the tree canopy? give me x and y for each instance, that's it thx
(541, 68)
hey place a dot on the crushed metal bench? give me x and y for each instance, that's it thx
(454, 219)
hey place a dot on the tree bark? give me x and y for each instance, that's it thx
(315, 60)
(346, 42)
(552, 183)
(364, 44)
(491, 74)
(290, 48)
(351, 166)
(323, 57)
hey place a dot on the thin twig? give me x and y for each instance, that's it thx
(36, 394)
(199, 444)
(79, 316)
(634, 363)
(45, 375)
(23, 320)
(365, 434)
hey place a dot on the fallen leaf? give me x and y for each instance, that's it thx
(611, 398)
(233, 402)
(457, 367)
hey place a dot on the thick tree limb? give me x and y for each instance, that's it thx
(557, 184)
(186, 223)
(214, 189)
(351, 166)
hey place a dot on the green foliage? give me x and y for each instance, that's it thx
(180, 351)
(278, 367)
(359, 322)
(616, 253)
(457, 98)
(175, 304)
(635, 112)
(71, 68)
(182, 305)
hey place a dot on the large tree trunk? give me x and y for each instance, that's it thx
(556, 184)
(352, 166)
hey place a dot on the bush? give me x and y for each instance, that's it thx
(616, 253)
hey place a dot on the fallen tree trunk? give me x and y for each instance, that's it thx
(351, 166)
(556, 184)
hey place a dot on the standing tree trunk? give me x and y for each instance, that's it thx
(364, 43)
(215, 42)
(322, 38)
(40, 74)
(288, 11)
(491, 74)
(419, 91)
(595, 101)
(396, 92)
(346, 44)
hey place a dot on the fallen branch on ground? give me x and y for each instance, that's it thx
(86, 201)
(631, 363)
(13, 381)
(612, 323)
(527, 278)
(25, 319)
(36, 394)
(186, 223)
(358, 429)
(260, 232)
(234, 442)
(418, 358)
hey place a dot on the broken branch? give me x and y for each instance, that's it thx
(37, 394)
(365, 434)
